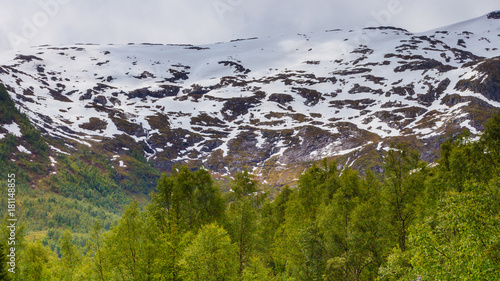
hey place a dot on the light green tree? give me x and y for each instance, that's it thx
(97, 268)
(122, 244)
(37, 261)
(461, 241)
(256, 270)
(19, 245)
(4, 274)
(210, 256)
(70, 257)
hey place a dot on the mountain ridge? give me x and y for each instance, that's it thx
(273, 105)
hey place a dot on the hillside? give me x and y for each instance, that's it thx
(406, 188)
(273, 105)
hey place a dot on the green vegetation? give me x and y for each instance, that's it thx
(11, 159)
(72, 193)
(210, 256)
(440, 222)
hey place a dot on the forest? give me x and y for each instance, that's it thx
(416, 221)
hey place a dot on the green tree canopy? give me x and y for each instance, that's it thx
(210, 256)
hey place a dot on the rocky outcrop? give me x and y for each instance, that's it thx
(166, 91)
(487, 82)
(494, 15)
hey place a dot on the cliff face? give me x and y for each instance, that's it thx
(272, 104)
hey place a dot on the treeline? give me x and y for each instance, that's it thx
(439, 222)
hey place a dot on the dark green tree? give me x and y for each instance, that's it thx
(317, 185)
(245, 202)
(404, 184)
(351, 229)
(192, 196)
(491, 141)
(273, 216)
(183, 202)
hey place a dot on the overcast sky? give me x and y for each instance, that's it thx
(36, 22)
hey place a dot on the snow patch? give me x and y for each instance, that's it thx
(58, 150)
(13, 129)
(52, 161)
(23, 149)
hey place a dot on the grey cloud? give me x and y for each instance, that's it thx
(35, 22)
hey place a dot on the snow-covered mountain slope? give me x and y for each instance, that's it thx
(264, 102)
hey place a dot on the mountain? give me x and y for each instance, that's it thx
(273, 104)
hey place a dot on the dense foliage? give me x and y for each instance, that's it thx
(439, 222)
